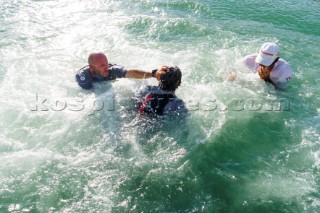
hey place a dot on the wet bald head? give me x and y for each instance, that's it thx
(96, 57)
(98, 64)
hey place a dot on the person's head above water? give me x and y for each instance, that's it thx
(169, 78)
(98, 64)
(268, 53)
(267, 58)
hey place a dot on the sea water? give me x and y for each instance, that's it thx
(244, 147)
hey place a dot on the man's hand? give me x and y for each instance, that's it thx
(264, 72)
(162, 70)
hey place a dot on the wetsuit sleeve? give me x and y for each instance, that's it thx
(117, 71)
(84, 80)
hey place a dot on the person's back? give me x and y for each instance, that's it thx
(160, 102)
(161, 99)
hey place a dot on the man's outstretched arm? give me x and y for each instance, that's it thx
(138, 74)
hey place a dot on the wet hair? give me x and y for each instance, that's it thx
(171, 80)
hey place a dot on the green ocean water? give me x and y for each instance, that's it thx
(245, 147)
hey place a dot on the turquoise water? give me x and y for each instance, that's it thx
(245, 147)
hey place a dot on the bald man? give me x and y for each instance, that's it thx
(100, 70)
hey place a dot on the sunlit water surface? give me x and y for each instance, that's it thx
(244, 147)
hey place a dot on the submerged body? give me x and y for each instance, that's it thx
(156, 101)
(279, 76)
(85, 78)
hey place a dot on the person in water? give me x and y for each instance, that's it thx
(161, 99)
(270, 66)
(99, 69)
